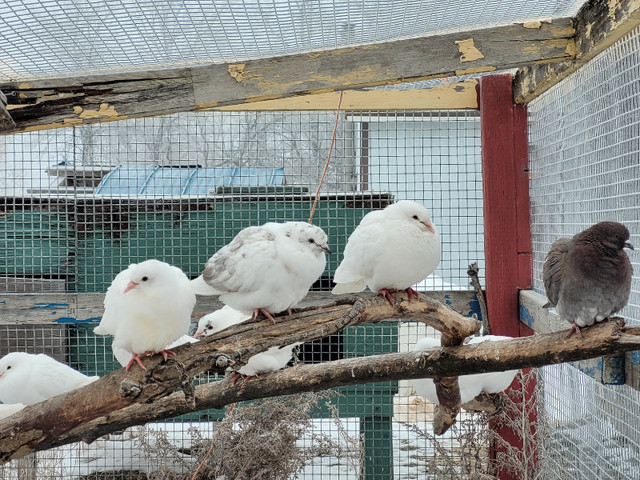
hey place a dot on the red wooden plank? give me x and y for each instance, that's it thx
(506, 218)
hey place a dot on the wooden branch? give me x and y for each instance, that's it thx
(598, 24)
(75, 419)
(59, 102)
(120, 389)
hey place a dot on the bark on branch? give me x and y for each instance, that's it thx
(100, 408)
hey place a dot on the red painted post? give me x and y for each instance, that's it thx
(507, 228)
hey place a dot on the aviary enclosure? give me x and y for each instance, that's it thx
(136, 130)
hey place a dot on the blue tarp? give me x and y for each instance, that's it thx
(157, 180)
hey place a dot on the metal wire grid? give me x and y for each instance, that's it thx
(593, 428)
(56, 221)
(585, 146)
(430, 157)
(584, 161)
(49, 37)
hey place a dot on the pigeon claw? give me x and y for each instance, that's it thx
(166, 353)
(135, 359)
(412, 294)
(387, 293)
(575, 328)
(258, 311)
(237, 376)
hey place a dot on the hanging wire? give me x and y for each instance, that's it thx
(326, 165)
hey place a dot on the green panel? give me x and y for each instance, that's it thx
(378, 447)
(90, 353)
(36, 243)
(188, 239)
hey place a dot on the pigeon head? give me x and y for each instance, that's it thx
(206, 327)
(412, 212)
(146, 274)
(613, 236)
(219, 320)
(308, 234)
(11, 361)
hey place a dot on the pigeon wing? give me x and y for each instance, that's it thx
(553, 269)
(360, 253)
(112, 304)
(233, 267)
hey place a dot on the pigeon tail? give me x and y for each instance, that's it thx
(352, 287)
(100, 331)
(201, 287)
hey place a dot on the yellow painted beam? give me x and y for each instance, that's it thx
(452, 96)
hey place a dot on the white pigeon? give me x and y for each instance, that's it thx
(124, 356)
(266, 269)
(494, 382)
(470, 385)
(390, 250)
(31, 378)
(10, 409)
(147, 307)
(270, 360)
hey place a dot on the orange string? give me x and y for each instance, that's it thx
(326, 166)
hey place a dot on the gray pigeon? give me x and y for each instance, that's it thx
(588, 277)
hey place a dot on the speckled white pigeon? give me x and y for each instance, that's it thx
(266, 269)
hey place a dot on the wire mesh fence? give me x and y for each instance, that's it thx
(81, 204)
(585, 168)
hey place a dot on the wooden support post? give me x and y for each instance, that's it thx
(506, 212)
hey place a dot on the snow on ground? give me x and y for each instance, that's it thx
(124, 452)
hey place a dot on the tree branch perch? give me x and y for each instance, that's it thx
(99, 408)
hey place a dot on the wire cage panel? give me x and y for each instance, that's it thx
(585, 168)
(81, 204)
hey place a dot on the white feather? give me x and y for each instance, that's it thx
(470, 385)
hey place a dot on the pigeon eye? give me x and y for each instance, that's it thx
(311, 240)
(144, 279)
(415, 217)
(8, 367)
(209, 327)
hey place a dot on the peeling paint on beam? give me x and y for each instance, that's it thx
(51, 102)
(598, 24)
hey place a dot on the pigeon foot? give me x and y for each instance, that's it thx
(385, 292)
(258, 311)
(575, 328)
(412, 294)
(135, 359)
(237, 376)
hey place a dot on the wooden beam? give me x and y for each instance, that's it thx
(506, 222)
(451, 96)
(54, 308)
(598, 24)
(506, 203)
(59, 102)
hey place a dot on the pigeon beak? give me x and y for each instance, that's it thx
(198, 334)
(429, 227)
(326, 249)
(130, 286)
(629, 246)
